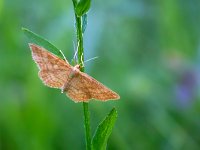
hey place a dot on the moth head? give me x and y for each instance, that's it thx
(78, 67)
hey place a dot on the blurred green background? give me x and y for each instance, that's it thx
(149, 52)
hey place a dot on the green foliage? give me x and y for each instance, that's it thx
(82, 7)
(84, 26)
(37, 39)
(103, 131)
(74, 3)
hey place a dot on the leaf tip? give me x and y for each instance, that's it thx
(24, 29)
(114, 111)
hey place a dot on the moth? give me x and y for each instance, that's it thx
(58, 73)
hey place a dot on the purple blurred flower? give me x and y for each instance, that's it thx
(185, 89)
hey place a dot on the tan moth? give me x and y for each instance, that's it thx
(57, 73)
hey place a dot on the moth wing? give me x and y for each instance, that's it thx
(54, 71)
(83, 88)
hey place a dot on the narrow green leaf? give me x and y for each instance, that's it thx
(74, 3)
(36, 39)
(84, 26)
(82, 7)
(99, 141)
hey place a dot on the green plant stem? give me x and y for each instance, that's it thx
(80, 61)
(87, 125)
(79, 33)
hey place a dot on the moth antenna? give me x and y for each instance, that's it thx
(63, 56)
(91, 59)
(75, 51)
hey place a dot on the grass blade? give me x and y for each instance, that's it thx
(99, 141)
(36, 39)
